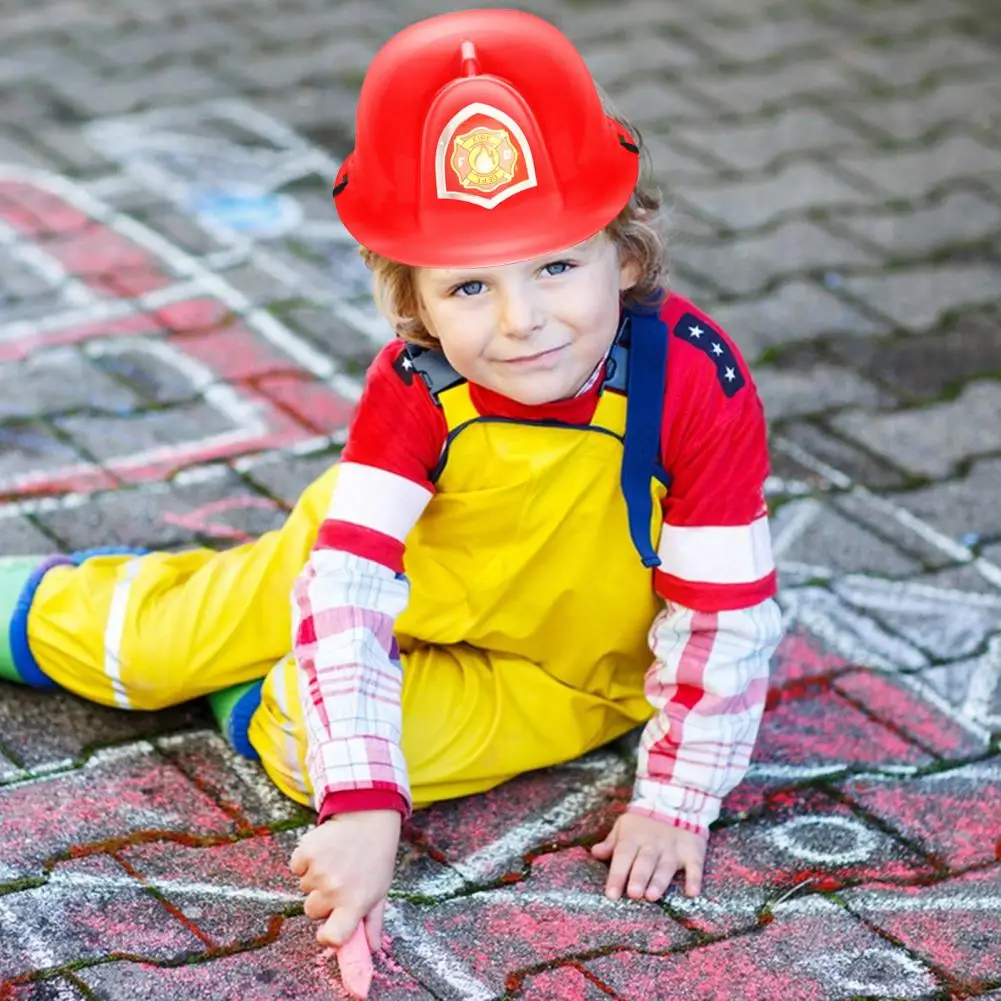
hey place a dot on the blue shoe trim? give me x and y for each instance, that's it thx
(238, 723)
(24, 662)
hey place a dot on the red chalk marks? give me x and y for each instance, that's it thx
(205, 520)
(801, 655)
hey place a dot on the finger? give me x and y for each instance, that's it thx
(298, 863)
(317, 906)
(622, 862)
(662, 877)
(643, 867)
(604, 849)
(693, 877)
(339, 927)
(373, 925)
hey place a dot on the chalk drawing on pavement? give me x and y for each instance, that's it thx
(129, 284)
(254, 185)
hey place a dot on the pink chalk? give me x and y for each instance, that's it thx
(354, 959)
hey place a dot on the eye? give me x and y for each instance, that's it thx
(558, 268)
(467, 289)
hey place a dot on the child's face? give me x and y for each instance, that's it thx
(532, 331)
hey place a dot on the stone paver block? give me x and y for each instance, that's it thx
(974, 102)
(947, 624)
(757, 89)
(490, 836)
(826, 729)
(801, 655)
(746, 265)
(919, 298)
(888, 519)
(795, 312)
(146, 370)
(108, 438)
(959, 217)
(753, 41)
(893, 702)
(649, 101)
(795, 189)
(58, 380)
(930, 441)
(287, 476)
(926, 366)
(219, 508)
(971, 687)
(27, 714)
(803, 839)
(116, 796)
(618, 61)
(30, 447)
(241, 786)
(564, 983)
(289, 968)
(757, 145)
(797, 389)
(957, 507)
(310, 401)
(560, 908)
(842, 546)
(812, 951)
(912, 60)
(56, 989)
(88, 909)
(844, 456)
(19, 537)
(228, 892)
(953, 814)
(909, 174)
(952, 924)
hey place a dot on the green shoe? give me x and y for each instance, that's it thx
(14, 574)
(233, 708)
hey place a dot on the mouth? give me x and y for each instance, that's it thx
(537, 357)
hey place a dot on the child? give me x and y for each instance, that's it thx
(574, 459)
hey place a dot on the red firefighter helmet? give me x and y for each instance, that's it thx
(481, 140)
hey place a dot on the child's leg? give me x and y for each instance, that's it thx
(471, 720)
(144, 632)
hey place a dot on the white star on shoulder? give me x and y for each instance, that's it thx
(695, 331)
(730, 375)
(407, 363)
(717, 348)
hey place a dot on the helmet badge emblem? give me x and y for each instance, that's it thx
(483, 157)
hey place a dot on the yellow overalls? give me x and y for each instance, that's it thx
(524, 643)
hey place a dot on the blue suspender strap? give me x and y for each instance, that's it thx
(644, 410)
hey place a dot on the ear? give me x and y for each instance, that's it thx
(629, 272)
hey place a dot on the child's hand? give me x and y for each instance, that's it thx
(346, 866)
(648, 853)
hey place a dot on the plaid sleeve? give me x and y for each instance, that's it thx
(708, 683)
(344, 611)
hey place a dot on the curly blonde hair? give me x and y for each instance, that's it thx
(635, 231)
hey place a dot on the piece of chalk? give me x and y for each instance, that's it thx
(354, 959)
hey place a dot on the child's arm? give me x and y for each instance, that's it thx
(708, 682)
(345, 606)
(713, 642)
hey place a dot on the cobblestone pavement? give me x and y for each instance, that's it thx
(183, 328)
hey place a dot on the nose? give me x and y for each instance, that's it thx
(520, 315)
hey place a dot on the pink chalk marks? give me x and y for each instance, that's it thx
(112, 280)
(955, 925)
(955, 815)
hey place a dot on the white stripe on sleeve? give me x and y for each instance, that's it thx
(374, 498)
(738, 554)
